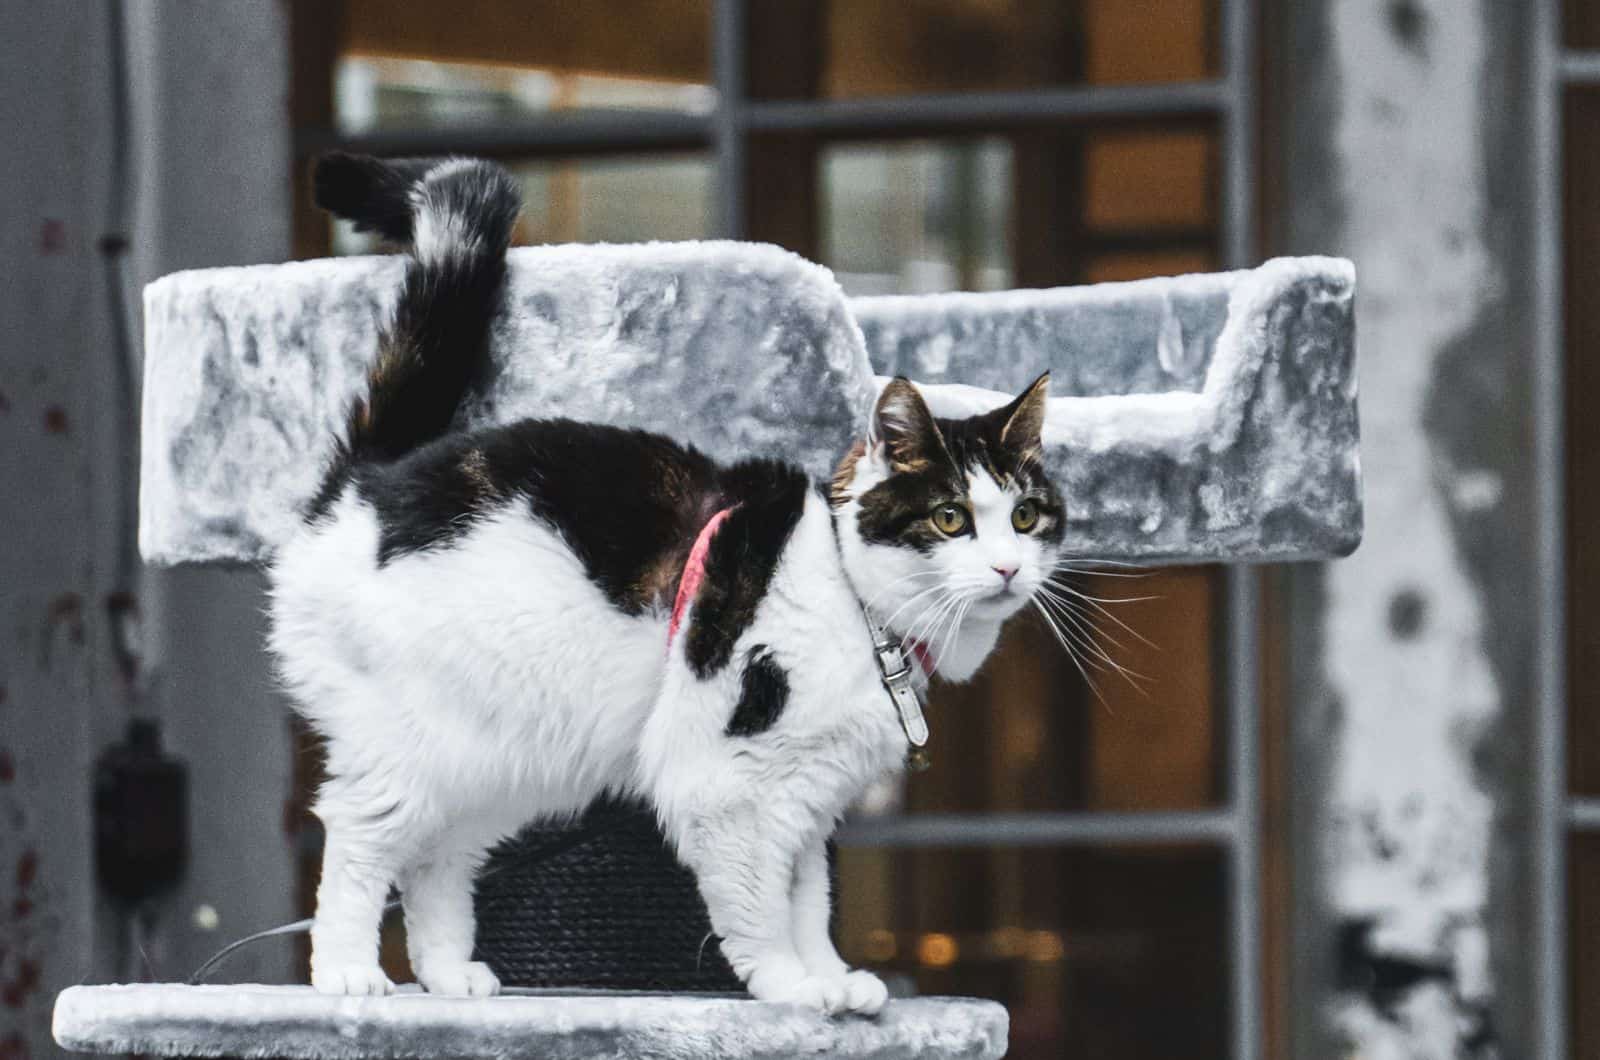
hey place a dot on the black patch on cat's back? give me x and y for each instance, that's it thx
(763, 693)
(431, 497)
(628, 503)
(766, 498)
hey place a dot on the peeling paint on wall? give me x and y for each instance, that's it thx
(1408, 827)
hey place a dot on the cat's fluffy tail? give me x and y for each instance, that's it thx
(455, 216)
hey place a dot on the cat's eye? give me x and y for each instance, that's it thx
(1025, 516)
(949, 519)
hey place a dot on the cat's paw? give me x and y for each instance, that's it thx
(360, 980)
(864, 993)
(458, 978)
(814, 992)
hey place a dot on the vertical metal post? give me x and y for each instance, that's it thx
(728, 66)
(1242, 593)
(1550, 775)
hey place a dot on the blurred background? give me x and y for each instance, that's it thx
(1349, 815)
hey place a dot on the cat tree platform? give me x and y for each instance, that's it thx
(297, 1022)
(1193, 419)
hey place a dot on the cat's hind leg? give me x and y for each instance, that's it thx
(436, 893)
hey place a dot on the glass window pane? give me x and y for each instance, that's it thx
(1108, 952)
(917, 216)
(616, 200)
(599, 200)
(842, 49)
(484, 61)
(377, 93)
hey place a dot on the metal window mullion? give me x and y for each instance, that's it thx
(541, 136)
(1550, 69)
(1062, 828)
(934, 113)
(1573, 67)
(728, 121)
(1241, 584)
(1583, 815)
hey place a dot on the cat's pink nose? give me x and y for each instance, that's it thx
(1005, 572)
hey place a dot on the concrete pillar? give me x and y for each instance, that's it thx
(1402, 141)
(212, 157)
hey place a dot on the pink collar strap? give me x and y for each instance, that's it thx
(694, 571)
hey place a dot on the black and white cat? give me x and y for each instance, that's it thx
(499, 625)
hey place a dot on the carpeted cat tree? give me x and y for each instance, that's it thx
(1200, 418)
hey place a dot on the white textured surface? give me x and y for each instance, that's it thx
(1198, 417)
(1410, 824)
(295, 1021)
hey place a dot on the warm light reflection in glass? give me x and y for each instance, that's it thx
(938, 951)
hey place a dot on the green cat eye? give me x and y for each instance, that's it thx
(949, 519)
(1025, 516)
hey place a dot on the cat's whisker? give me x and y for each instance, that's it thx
(1067, 568)
(1098, 606)
(1075, 608)
(1095, 562)
(930, 619)
(1133, 677)
(1072, 652)
(889, 623)
(1101, 599)
(897, 583)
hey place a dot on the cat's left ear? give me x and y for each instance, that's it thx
(1023, 420)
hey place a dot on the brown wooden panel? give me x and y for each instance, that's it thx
(316, 28)
(1153, 737)
(1581, 23)
(1106, 268)
(894, 47)
(1582, 300)
(782, 200)
(1583, 898)
(1150, 179)
(655, 39)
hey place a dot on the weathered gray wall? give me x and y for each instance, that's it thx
(1402, 129)
(52, 642)
(212, 154)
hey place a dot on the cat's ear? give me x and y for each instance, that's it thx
(902, 424)
(1022, 421)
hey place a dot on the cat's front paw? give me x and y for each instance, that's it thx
(864, 993)
(815, 992)
(360, 980)
(458, 978)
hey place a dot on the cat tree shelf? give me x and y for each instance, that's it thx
(1198, 418)
(297, 1022)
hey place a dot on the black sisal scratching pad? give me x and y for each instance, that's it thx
(602, 903)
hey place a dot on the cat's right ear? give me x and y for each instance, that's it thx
(903, 426)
